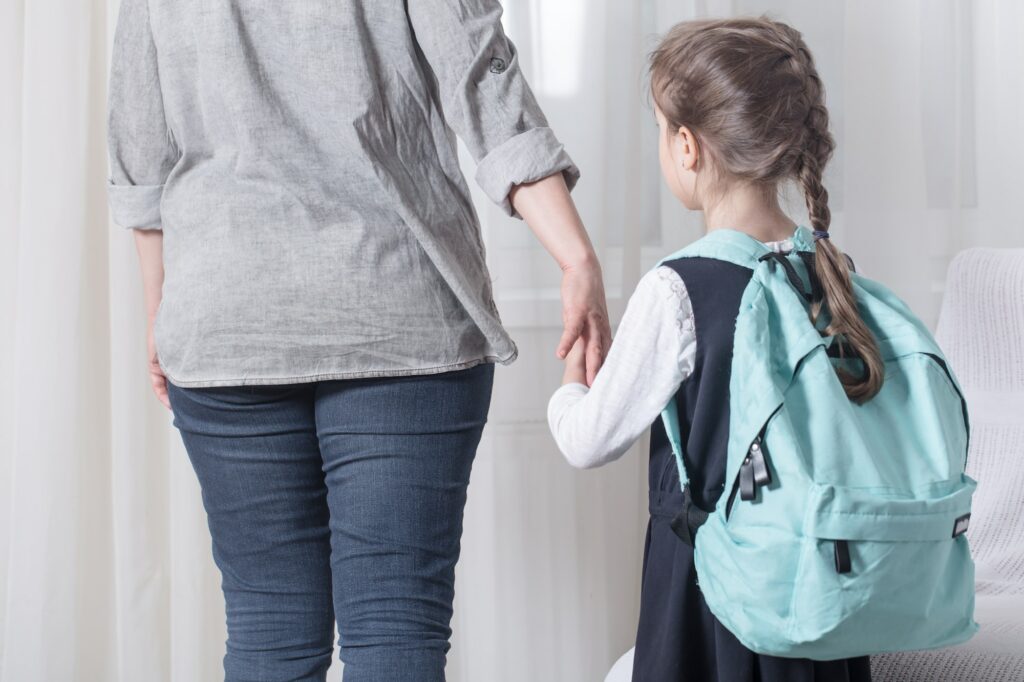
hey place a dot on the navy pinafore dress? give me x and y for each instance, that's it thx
(678, 638)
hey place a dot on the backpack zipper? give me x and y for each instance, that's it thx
(757, 474)
(754, 471)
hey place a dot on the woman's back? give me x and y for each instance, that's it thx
(317, 224)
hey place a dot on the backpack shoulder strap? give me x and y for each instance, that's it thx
(737, 248)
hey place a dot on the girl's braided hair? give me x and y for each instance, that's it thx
(749, 91)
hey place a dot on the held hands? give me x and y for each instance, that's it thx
(587, 334)
(547, 208)
(575, 365)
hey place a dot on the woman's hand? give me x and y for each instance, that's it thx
(156, 374)
(586, 334)
(548, 209)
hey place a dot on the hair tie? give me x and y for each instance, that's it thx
(820, 234)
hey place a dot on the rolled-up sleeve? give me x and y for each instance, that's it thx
(142, 150)
(485, 96)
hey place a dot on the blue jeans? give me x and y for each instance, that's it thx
(337, 499)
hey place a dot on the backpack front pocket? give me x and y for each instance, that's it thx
(866, 557)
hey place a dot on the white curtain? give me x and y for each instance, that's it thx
(105, 569)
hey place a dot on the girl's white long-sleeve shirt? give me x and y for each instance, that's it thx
(653, 353)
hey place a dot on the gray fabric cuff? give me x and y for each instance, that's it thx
(527, 157)
(135, 206)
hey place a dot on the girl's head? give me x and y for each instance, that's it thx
(740, 102)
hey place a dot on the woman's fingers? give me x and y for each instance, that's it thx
(585, 315)
(573, 330)
(156, 373)
(159, 382)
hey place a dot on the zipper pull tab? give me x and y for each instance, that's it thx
(759, 461)
(748, 488)
(842, 552)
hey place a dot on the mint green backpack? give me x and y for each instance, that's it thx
(841, 529)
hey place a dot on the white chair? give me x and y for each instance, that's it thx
(981, 330)
(622, 671)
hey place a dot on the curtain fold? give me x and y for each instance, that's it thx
(59, 580)
(105, 567)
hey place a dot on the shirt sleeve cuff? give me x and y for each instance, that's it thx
(527, 157)
(561, 401)
(135, 206)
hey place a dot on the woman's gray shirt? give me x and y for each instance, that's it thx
(299, 159)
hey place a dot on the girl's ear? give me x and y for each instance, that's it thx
(689, 150)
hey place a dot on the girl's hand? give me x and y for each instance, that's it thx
(585, 319)
(156, 375)
(575, 364)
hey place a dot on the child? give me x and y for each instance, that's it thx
(740, 109)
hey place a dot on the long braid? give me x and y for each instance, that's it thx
(831, 265)
(749, 91)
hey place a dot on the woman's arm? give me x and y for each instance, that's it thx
(485, 97)
(141, 146)
(150, 245)
(521, 165)
(653, 353)
(142, 154)
(547, 208)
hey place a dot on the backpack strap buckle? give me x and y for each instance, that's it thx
(777, 257)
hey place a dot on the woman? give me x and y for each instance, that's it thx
(324, 326)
